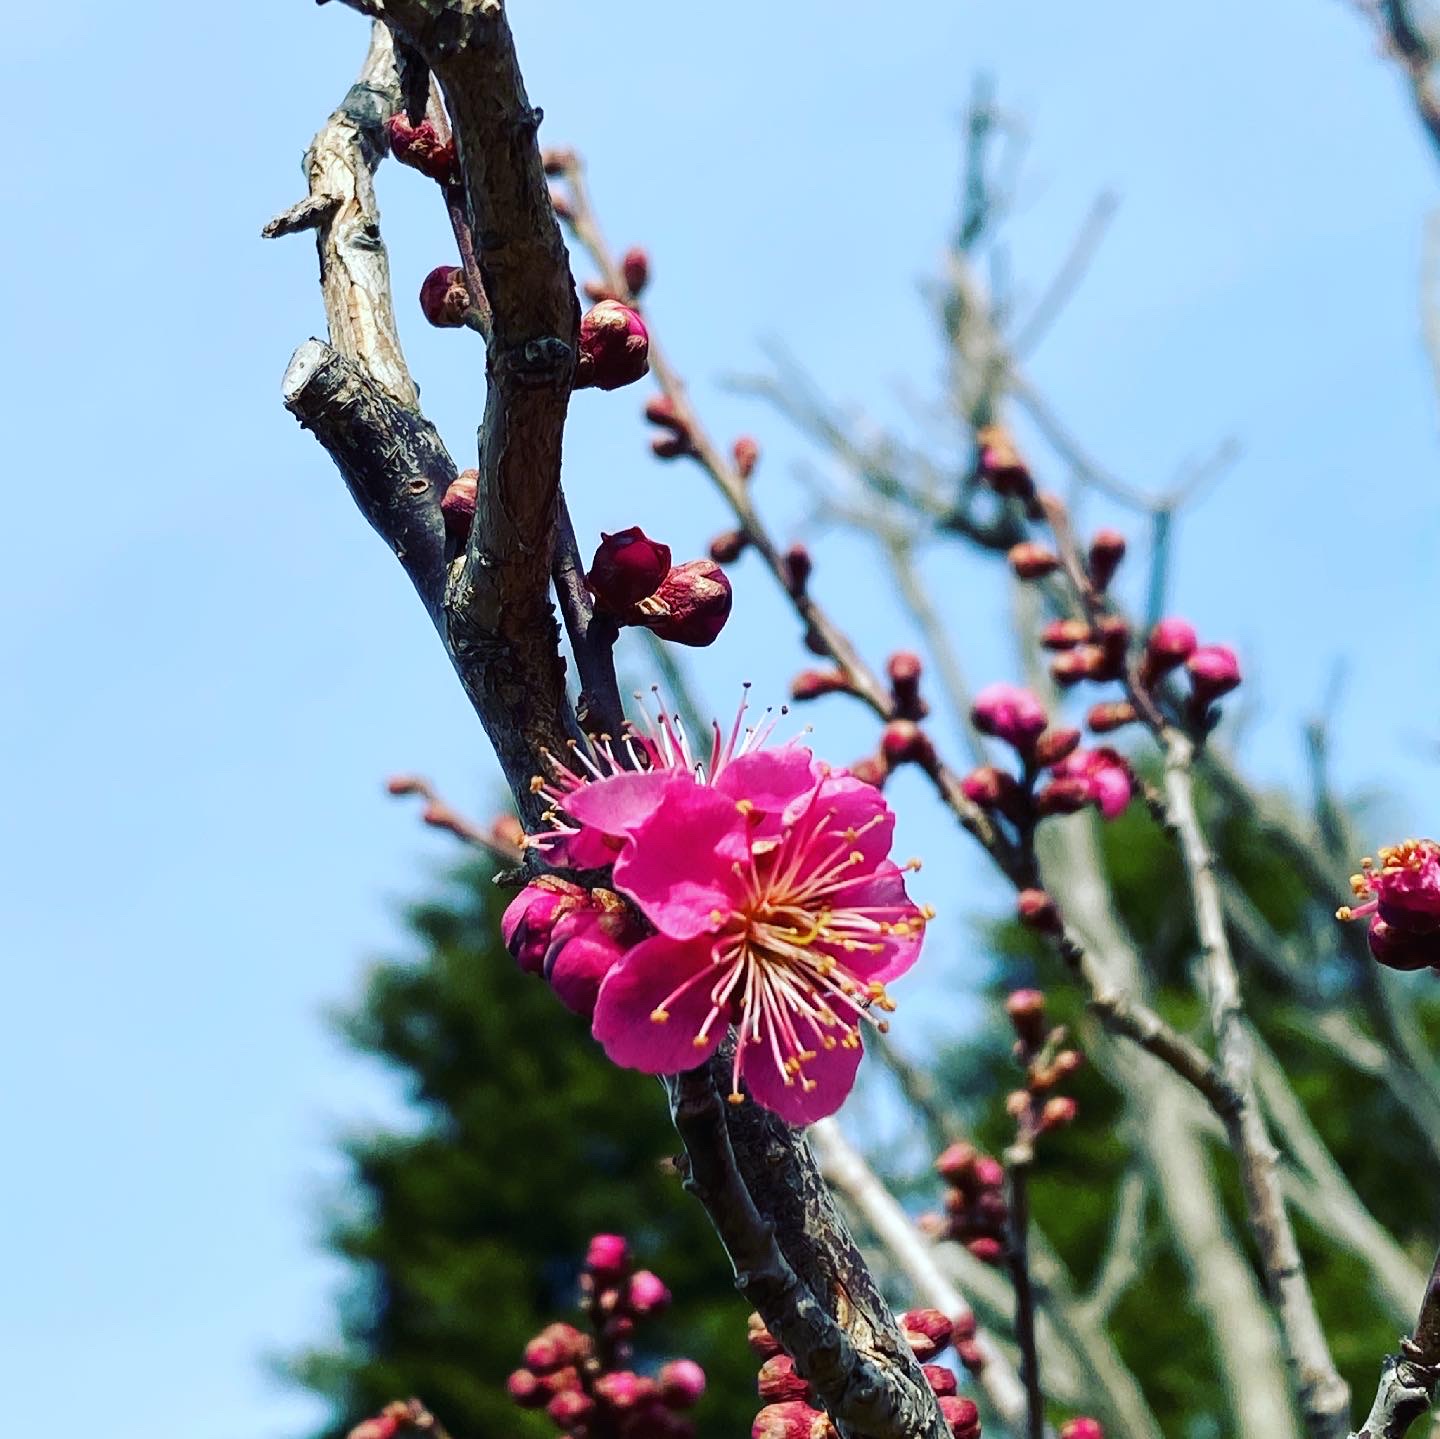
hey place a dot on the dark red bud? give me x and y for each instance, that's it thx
(669, 447)
(904, 742)
(798, 568)
(759, 1338)
(635, 266)
(1000, 466)
(1036, 910)
(991, 789)
(927, 1332)
(445, 297)
(1107, 549)
(1030, 561)
(690, 607)
(1402, 949)
(421, 148)
(778, 1380)
(1103, 719)
(628, 566)
(660, 410)
(811, 684)
(1083, 662)
(961, 1415)
(986, 1249)
(956, 1163)
(746, 453)
(1063, 796)
(871, 769)
(940, 1379)
(726, 548)
(1064, 634)
(970, 1355)
(614, 347)
(1054, 745)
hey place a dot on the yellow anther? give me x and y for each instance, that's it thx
(735, 1097)
(807, 1084)
(914, 866)
(659, 1016)
(745, 806)
(537, 783)
(700, 1041)
(1344, 914)
(827, 1041)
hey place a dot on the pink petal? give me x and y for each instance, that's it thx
(678, 865)
(616, 804)
(583, 950)
(644, 980)
(770, 779)
(854, 805)
(832, 1071)
(885, 891)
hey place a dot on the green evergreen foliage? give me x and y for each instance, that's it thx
(465, 1233)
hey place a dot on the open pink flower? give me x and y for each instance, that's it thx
(786, 919)
(1401, 898)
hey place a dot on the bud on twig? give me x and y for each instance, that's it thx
(927, 1332)
(1064, 634)
(421, 148)
(904, 742)
(1000, 465)
(1107, 549)
(635, 267)
(628, 566)
(746, 454)
(614, 347)
(1055, 745)
(458, 504)
(1031, 561)
(798, 568)
(690, 607)
(778, 1380)
(1105, 718)
(445, 297)
(1036, 910)
(728, 546)
(811, 684)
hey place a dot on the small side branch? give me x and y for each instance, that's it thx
(1409, 1378)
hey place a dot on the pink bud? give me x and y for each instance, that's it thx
(526, 1390)
(927, 1332)
(986, 1249)
(635, 267)
(570, 1407)
(627, 567)
(778, 1380)
(682, 1382)
(1082, 1428)
(646, 1293)
(1026, 1008)
(585, 945)
(905, 668)
(623, 1390)
(1030, 561)
(529, 920)
(966, 1328)
(1105, 718)
(1213, 671)
(458, 504)
(759, 1338)
(1083, 662)
(728, 546)
(660, 410)
(870, 769)
(382, 1426)
(420, 147)
(1000, 465)
(445, 297)
(1064, 634)
(614, 347)
(556, 1346)
(1058, 1112)
(1107, 549)
(961, 1415)
(608, 1258)
(956, 1163)
(904, 742)
(991, 788)
(1055, 745)
(1036, 910)
(940, 1379)
(1009, 713)
(1171, 643)
(691, 605)
(989, 1172)
(971, 1356)
(746, 453)
(792, 1419)
(811, 684)
(1101, 777)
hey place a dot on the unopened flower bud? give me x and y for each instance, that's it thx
(904, 742)
(1036, 910)
(660, 410)
(1058, 1111)
(986, 1249)
(614, 347)
(1031, 561)
(1213, 671)
(569, 1408)
(556, 1346)
(1171, 643)
(691, 605)
(798, 567)
(627, 567)
(811, 684)
(817, 644)
(728, 546)
(1026, 1008)
(557, 159)
(1066, 1063)
(870, 769)
(458, 504)
(956, 1163)
(670, 447)
(1055, 745)
(1082, 1428)
(940, 1379)
(646, 1293)
(1402, 949)
(421, 148)
(970, 1355)
(961, 1415)
(927, 1332)
(529, 921)
(991, 789)
(1009, 713)
(905, 669)
(682, 1382)
(1064, 634)
(792, 1419)
(746, 454)
(1017, 1102)
(623, 1390)
(445, 297)
(382, 1426)
(526, 1390)
(1107, 549)
(1062, 796)
(1106, 718)
(607, 1259)
(1084, 662)
(778, 1381)
(1000, 465)
(759, 1338)
(635, 266)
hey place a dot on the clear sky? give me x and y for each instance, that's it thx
(211, 664)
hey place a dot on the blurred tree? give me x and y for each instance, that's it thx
(466, 1231)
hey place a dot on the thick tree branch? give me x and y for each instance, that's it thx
(1409, 1378)
(858, 1366)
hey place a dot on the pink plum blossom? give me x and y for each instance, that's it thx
(1100, 776)
(766, 878)
(1401, 898)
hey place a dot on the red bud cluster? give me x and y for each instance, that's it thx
(976, 1211)
(582, 1380)
(1040, 1051)
(401, 1418)
(634, 583)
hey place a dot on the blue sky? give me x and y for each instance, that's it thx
(212, 664)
